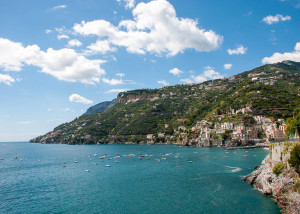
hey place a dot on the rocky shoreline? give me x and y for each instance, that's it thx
(279, 187)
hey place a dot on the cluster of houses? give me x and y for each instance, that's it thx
(263, 128)
(260, 129)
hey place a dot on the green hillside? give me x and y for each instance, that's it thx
(270, 90)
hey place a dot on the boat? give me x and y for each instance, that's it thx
(107, 165)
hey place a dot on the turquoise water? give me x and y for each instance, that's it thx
(46, 179)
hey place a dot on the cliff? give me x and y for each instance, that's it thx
(277, 179)
(100, 107)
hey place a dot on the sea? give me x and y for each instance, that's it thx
(55, 178)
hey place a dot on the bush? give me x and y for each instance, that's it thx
(297, 187)
(294, 160)
(278, 169)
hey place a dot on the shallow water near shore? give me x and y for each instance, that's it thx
(36, 178)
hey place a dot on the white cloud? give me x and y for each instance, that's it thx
(113, 81)
(49, 109)
(212, 74)
(6, 79)
(121, 75)
(74, 43)
(155, 28)
(227, 66)
(63, 36)
(163, 82)
(101, 46)
(64, 64)
(128, 3)
(48, 31)
(117, 90)
(187, 81)
(238, 51)
(175, 71)
(79, 99)
(208, 73)
(275, 19)
(59, 7)
(279, 57)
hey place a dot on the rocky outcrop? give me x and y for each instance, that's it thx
(280, 188)
(100, 107)
(125, 98)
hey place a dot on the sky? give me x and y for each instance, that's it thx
(60, 57)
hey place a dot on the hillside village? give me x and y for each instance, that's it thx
(206, 133)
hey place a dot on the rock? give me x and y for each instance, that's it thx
(280, 188)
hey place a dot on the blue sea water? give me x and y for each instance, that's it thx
(154, 179)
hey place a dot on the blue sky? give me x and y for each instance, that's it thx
(57, 58)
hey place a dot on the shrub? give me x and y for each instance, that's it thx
(297, 187)
(294, 160)
(278, 169)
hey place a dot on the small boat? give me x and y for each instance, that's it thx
(15, 157)
(64, 166)
(75, 161)
(107, 165)
(189, 161)
(86, 170)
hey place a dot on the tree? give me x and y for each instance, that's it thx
(293, 124)
(294, 160)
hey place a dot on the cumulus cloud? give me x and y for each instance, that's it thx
(175, 71)
(128, 3)
(59, 7)
(101, 46)
(187, 81)
(48, 31)
(121, 75)
(113, 81)
(64, 64)
(62, 36)
(227, 66)
(155, 28)
(212, 74)
(238, 51)
(74, 43)
(279, 57)
(275, 19)
(163, 82)
(79, 99)
(117, 90)
(6, 79)
(209, 73)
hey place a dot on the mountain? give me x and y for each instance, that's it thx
(171, 113)
(100, 107)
